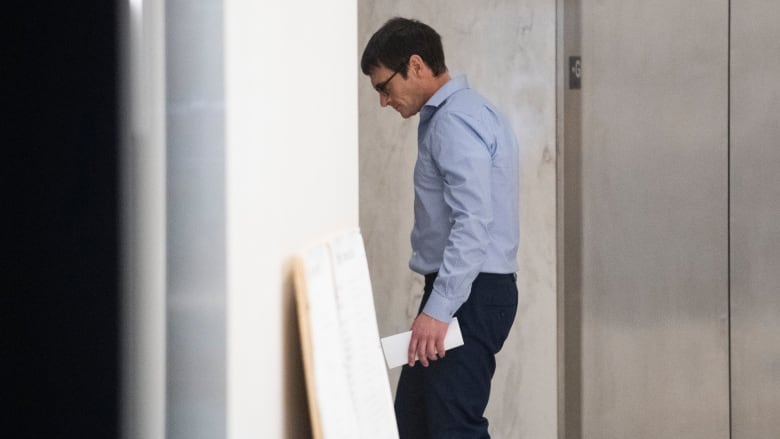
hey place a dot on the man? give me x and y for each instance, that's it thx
(465, 236)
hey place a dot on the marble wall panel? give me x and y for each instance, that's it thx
(507, 50)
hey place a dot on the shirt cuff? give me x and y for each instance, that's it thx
(440, 308)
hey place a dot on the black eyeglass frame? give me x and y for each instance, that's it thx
(381, 88)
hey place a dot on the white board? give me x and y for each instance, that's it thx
(347, 383)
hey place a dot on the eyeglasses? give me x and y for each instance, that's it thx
(382, 86)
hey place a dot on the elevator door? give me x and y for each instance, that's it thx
(647, 338)
(671, 215)
(755, 219)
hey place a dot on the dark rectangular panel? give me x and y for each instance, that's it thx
(60, 293)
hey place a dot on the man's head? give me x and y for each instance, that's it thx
(405, 62)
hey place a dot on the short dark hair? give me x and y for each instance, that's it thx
(397, 40)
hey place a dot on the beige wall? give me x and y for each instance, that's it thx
(291, 126)
(507, 50)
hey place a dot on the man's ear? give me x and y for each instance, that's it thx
(417, 66)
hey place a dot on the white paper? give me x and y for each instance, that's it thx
(334, 400)
(362, 352)
(396, 346)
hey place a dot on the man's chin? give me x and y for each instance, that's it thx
(406, 115)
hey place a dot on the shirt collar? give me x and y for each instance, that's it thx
(441, 95)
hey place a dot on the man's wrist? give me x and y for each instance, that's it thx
(440, 308)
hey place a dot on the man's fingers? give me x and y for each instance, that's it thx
(412, 350)
(440, 347)
(431, 351)
(427, 342)
(421, 354)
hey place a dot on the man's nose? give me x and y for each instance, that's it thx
(383, 100)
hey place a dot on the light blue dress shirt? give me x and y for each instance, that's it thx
(466, 214)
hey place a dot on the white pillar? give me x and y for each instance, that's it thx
(292, 179)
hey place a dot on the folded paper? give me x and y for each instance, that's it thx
(396, 347)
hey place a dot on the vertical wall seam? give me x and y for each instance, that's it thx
(728, 215)
(559, 174)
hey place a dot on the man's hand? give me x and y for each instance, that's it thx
(427, 339)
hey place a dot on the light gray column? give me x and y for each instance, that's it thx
(196, 321)
(142, 138)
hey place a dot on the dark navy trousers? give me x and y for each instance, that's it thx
(448, 398)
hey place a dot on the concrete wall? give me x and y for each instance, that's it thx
(507, 50)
